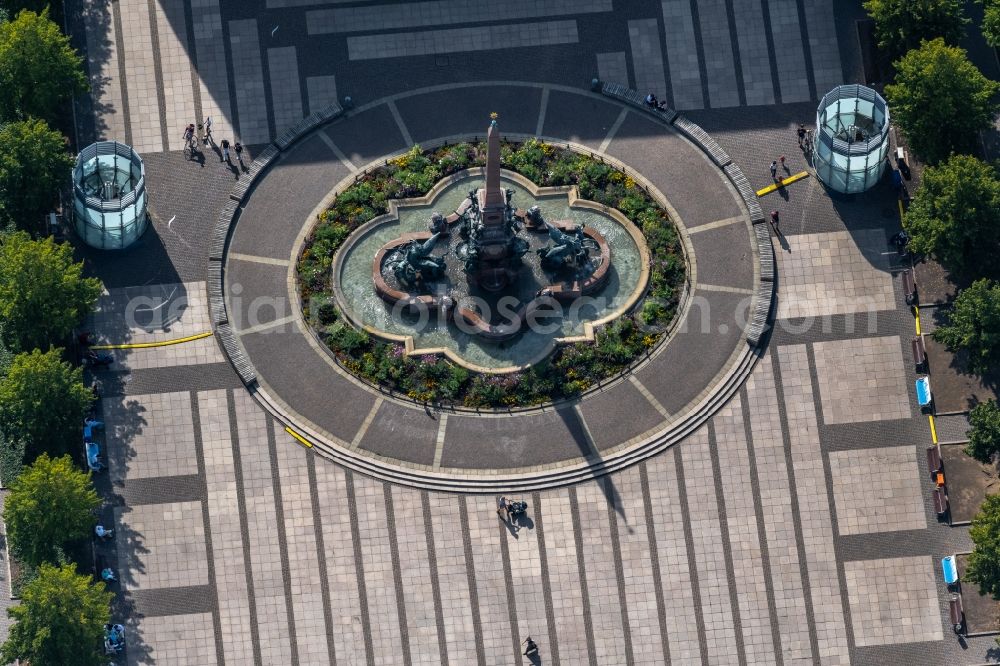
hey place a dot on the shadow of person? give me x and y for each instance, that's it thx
(782, 241)
(522, 520)
(234, 169)
(783, 192)
(511, 526)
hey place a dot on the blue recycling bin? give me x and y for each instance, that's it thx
(950, 570)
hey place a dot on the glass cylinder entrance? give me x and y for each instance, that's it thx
(109, 195)
(852, 138)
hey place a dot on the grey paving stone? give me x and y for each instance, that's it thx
(862, 380)
(286, 93)
(749, 570)
(647, 58)
(455, 40)
(248, 78)
(716, 606)
(835, 273)
(172, 639)
(682, 56)
(674, 563)
(814, 507)
(161, 545)
(893, 490)
(893, 600)
(379, 18)
(785, 573)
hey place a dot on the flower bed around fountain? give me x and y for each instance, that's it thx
(568, 370)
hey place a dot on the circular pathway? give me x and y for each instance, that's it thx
(661, 401)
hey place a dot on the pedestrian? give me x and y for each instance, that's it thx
(238, 147)
(531, 649)
(774, 170)
(802, 134)
(225, 150)
(651, 100)
(782, 160)
(189, 135)
(502, 509)
(775, 218)
(208, 130)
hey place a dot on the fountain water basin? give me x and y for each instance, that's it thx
(436, 325)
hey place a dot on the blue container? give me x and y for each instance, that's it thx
(924, 391)
(950, 570)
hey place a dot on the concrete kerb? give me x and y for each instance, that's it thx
(730, 377)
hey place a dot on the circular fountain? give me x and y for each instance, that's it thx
(492, 285)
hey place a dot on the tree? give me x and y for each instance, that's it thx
(900, 25)
(955, 215)
(39, 70)
(43, 401)
(984, 431)
(940, 100)
(991, 22)
(43, 293)
(33, 165)
(50, 505)
(983, 566)
(974, 325)
(59, 621)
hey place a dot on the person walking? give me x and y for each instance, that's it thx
(189, 135)
(775, 219)
(208, 130)
(238, 147)
(225, 151)
(802, 135)
(783, 167)
(774, 170)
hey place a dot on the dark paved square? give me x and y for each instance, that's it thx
(618, 414)
(714, 249)
(467, 111)
(403, 433)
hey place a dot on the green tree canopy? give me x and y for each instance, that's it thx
(974, 326)
(983, 566)
(43, 402)
(991, 22)
(955, 215)
(43, 293)
(940, 100)
(39, 70)
(50, 505)
(984, 433)
(900, 25)
(33, 165)
(59, 621)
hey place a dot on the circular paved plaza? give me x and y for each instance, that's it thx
(668, 395)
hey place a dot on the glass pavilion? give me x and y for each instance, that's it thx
(852, 138)
(109, 195)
